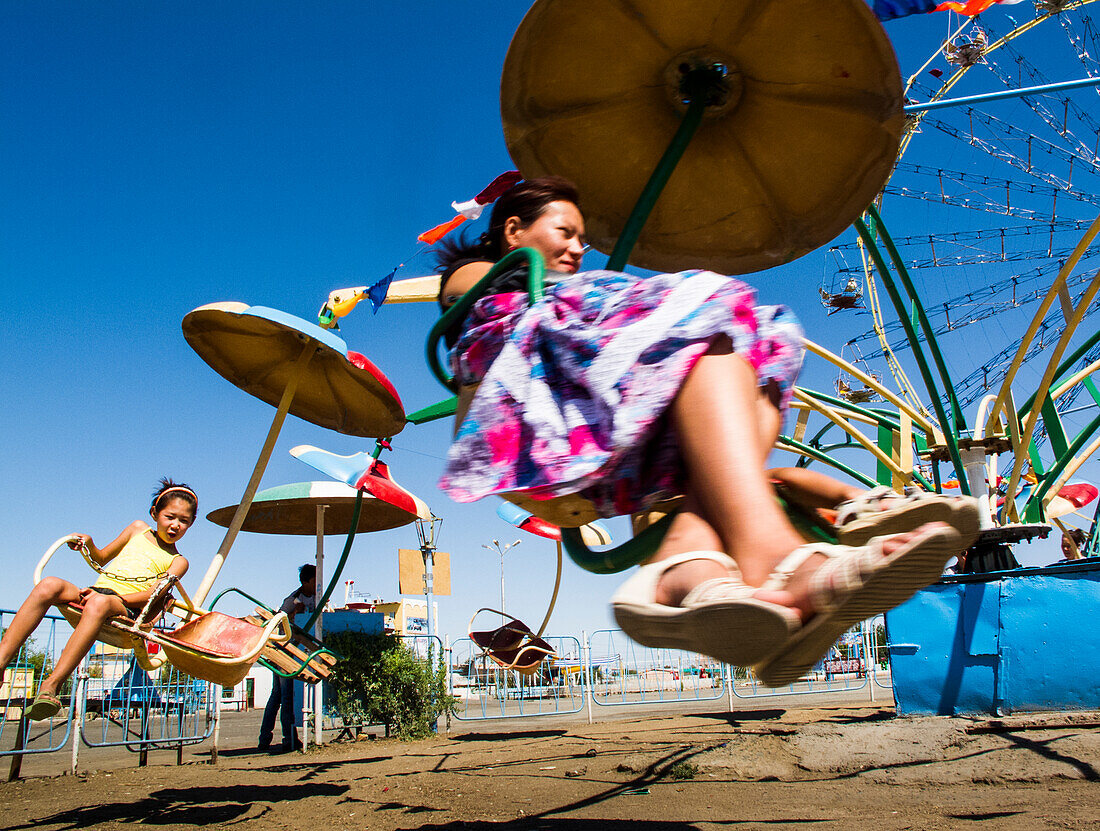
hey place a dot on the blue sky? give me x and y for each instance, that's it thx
(158, 157)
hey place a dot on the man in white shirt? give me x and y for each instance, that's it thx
(302, 599)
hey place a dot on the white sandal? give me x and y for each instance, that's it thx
(719, 617)
(860, 519)
(856, 583)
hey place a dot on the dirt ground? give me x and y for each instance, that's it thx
(841, 767)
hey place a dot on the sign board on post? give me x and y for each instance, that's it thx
(410, 567)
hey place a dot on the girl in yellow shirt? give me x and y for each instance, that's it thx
(137, 556)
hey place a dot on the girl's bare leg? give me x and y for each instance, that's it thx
(49, 592)
(97, 609)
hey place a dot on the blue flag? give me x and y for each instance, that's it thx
(377, 292)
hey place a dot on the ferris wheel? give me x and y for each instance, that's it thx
(999, 194)
(988, 203)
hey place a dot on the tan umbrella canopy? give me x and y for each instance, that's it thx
(799, 140)
(257, 349)
(292, 509)
(299, 368)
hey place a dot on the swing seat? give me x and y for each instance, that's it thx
(216, 647)
(114, 632)
(210, 646)
(119, 631)
(303, 657)
(512, 645)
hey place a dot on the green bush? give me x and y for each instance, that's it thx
(378, 680)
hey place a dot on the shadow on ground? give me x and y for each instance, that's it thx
(496, 737)
(175, 807)
(535, 824)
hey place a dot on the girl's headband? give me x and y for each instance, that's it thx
(166, 491)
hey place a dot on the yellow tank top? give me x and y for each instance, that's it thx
(140, 557)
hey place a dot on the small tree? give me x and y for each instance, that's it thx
(380, 680)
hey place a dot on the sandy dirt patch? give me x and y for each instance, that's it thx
(851, 768)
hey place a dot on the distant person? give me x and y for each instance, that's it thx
(302, 599)
(1073, 543)
(137, 558)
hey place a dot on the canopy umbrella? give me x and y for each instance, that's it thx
(299, 368)
(320, 508)
(798, 133)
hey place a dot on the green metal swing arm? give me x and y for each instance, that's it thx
(950, 436)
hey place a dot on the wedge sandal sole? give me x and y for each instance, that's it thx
(740, 632)
(953, 511)
(894, 583)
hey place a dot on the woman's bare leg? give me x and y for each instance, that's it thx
(725, 434)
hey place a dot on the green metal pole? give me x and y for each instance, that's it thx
(930, 336)
(880, 417)
(698, 90)
(1031, 510)
(813, 452)
(922, 364)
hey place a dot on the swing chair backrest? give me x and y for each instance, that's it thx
(303, 657)
(218, 648)
(511, 645)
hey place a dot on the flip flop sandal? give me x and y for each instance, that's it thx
(719, 617)
(854, 584)
(44, 706)
(861, 519)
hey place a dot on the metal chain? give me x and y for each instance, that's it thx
(122, 578)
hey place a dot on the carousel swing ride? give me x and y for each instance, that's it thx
(769, 129)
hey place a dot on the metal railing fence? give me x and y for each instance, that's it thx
(483, 689)
(109, 702)
(125, 706)
(113, 703)
(35, 659)
(622, 672)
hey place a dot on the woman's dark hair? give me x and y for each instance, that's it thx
(526, 200)
(307, 573)
(175, 490)
(1078, 536)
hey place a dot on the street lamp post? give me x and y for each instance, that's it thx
(426, 532)
(501, 551)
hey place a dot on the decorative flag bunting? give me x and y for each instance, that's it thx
(377, 292)
(472, 208)
(973, 7)
(892, 9)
